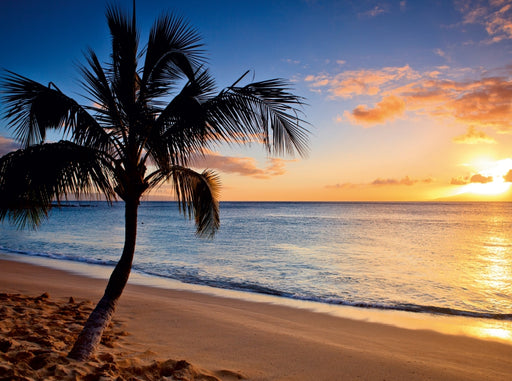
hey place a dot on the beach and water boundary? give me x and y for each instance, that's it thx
(498, 330)
(264, 341)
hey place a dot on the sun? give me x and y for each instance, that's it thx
(489, 179)
(494, 187)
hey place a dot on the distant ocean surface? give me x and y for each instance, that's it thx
(442, 258)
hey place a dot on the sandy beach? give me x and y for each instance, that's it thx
(160, 333)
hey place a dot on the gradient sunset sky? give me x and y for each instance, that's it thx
(407, 100)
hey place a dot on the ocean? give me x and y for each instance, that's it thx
(432, 258)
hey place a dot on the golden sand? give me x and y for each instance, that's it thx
(37, 332)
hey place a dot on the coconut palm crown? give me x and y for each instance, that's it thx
(150, 111)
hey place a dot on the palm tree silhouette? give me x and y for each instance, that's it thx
(130, 138)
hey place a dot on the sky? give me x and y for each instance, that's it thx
(406, 100)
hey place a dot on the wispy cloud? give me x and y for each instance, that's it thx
(351, 83)
(443, 54)
(342, 186)
(403, 181)
(291, 61)
(375, 11)
(381, 182)
(440, 53)
(7, 145)
(243, 166)
(495, 16)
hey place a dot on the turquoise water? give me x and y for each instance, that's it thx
(443, 258)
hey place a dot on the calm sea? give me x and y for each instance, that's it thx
(442, 258)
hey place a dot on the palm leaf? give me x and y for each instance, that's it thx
(173, 50)
(95, 82)
(32, 179)
(32, 109)
(123, 73)
(196, 193)
(181, 129)
(266, 109)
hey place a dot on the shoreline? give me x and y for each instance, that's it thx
(265, 341)
(459, 325)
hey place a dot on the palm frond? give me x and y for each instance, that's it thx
(32, 179)
(32, 109)
(106, 109)
(265, 109)
(197, 195)
(125, 42)
(181, 128)
(95, 82)
(173, 51)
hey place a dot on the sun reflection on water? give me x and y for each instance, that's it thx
(497, 264)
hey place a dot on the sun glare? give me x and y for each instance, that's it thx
(493, 188)
(489, 169)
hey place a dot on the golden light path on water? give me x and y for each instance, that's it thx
(495, 274)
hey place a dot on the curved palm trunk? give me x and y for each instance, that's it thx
(100, 317)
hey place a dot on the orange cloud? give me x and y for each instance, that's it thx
(508, 177)
(244, 166)
(388, 109)
(7, 145)
(404, 181)
(474, 137)
(495, 17)
(482, 102)
(408, 181)
(351, 83)
(460, 180)
(478, 178)
(486, 103)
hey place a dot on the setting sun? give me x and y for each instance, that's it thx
(490, 178)
(495, 187)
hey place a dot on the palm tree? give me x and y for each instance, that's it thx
(130, 137)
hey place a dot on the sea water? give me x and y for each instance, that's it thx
(441, 258)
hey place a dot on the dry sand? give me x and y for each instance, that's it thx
(180, 335)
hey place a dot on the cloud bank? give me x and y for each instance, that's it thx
(444, 93)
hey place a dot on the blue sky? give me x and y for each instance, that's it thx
(408, 100)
